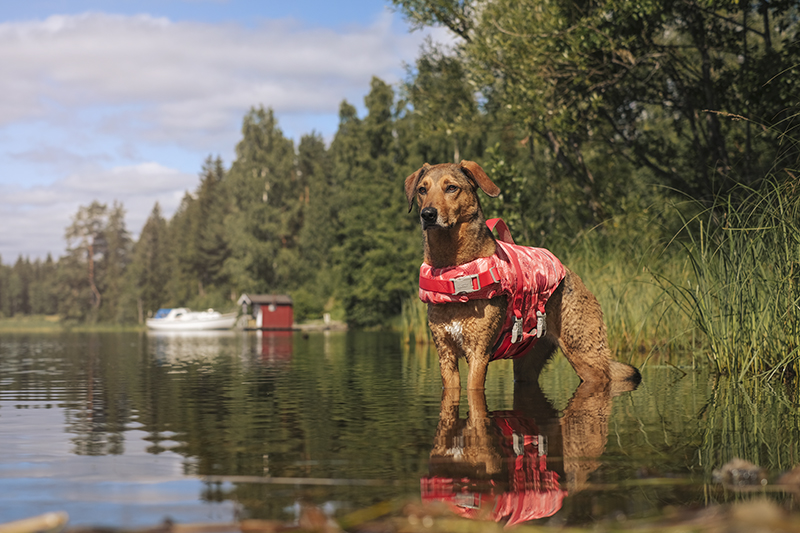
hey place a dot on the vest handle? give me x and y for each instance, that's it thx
(503, 233)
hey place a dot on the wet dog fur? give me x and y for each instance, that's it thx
(455, 232)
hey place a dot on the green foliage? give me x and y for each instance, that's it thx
(414, 321)
(314, 282)
(661, 85)
(98, 252)
(209, 233)
(42, 290)
(18, 285)
(149, 270)
(263, 186)
(442, 109)
(200, 243)
(377, 245)
(116, 307)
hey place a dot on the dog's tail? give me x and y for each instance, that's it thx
(621, 372)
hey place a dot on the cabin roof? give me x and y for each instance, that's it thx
(265, 299)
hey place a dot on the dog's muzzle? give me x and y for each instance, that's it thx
(428, 215)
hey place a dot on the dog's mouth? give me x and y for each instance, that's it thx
(433, 225)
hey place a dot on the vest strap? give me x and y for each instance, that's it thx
(461, 285)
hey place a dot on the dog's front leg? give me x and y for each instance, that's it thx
(478, 363)
(448, 365)
(448, 358)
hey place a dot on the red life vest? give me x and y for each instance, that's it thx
(527, 276)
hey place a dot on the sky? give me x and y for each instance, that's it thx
(122, 100)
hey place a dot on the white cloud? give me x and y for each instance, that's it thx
(36, 217)
(192, 78)
(102, 106)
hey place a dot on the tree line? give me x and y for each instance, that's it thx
(581, 112)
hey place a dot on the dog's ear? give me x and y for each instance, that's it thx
(474, 171)
(411, 185)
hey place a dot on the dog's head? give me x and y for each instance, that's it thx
(448, 193)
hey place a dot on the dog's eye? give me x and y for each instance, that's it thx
(422, 190)
(451, 188)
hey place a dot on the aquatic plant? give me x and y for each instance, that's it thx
(615, 263)
(743, 258)
(414, 321)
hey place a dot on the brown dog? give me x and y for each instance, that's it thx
(455, 233)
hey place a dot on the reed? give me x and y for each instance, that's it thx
(414, 321)
(742, 256)
(615, 263)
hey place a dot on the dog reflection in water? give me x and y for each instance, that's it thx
(515, 465)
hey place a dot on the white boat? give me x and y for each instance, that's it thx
(182, 319)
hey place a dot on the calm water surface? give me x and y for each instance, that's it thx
(128, 429)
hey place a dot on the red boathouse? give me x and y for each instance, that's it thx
(270, 311)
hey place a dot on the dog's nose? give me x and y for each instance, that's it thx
(429, 215)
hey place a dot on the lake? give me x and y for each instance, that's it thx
(128, 429)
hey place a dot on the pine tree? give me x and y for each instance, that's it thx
(211, 245)
(85, 245)
(266, 211)
(182, 285)
(317, 236)
(200, 242)
(19, 287)
(378, 250)
(116, 257)
(43, 290)
(5, 300)
(98, 252)
(149, 268)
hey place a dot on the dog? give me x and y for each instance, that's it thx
(476, 315)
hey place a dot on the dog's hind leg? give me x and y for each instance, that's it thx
(528, 367)
(575, 317)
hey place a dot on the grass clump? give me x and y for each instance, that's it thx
(615, 263)
(742, 256)
(414, 321)
(30, 323)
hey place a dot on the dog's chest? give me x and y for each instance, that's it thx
(455, 331)
(470, 325)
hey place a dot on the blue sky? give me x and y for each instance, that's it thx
(123, 100)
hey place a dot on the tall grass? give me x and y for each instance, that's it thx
(743, 259)
(414, 321)
(614, 262)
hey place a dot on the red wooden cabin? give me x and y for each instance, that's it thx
(270, 311)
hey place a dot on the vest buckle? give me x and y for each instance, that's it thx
(516, 330)
(464, 284)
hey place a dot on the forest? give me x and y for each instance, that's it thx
(653, 146)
